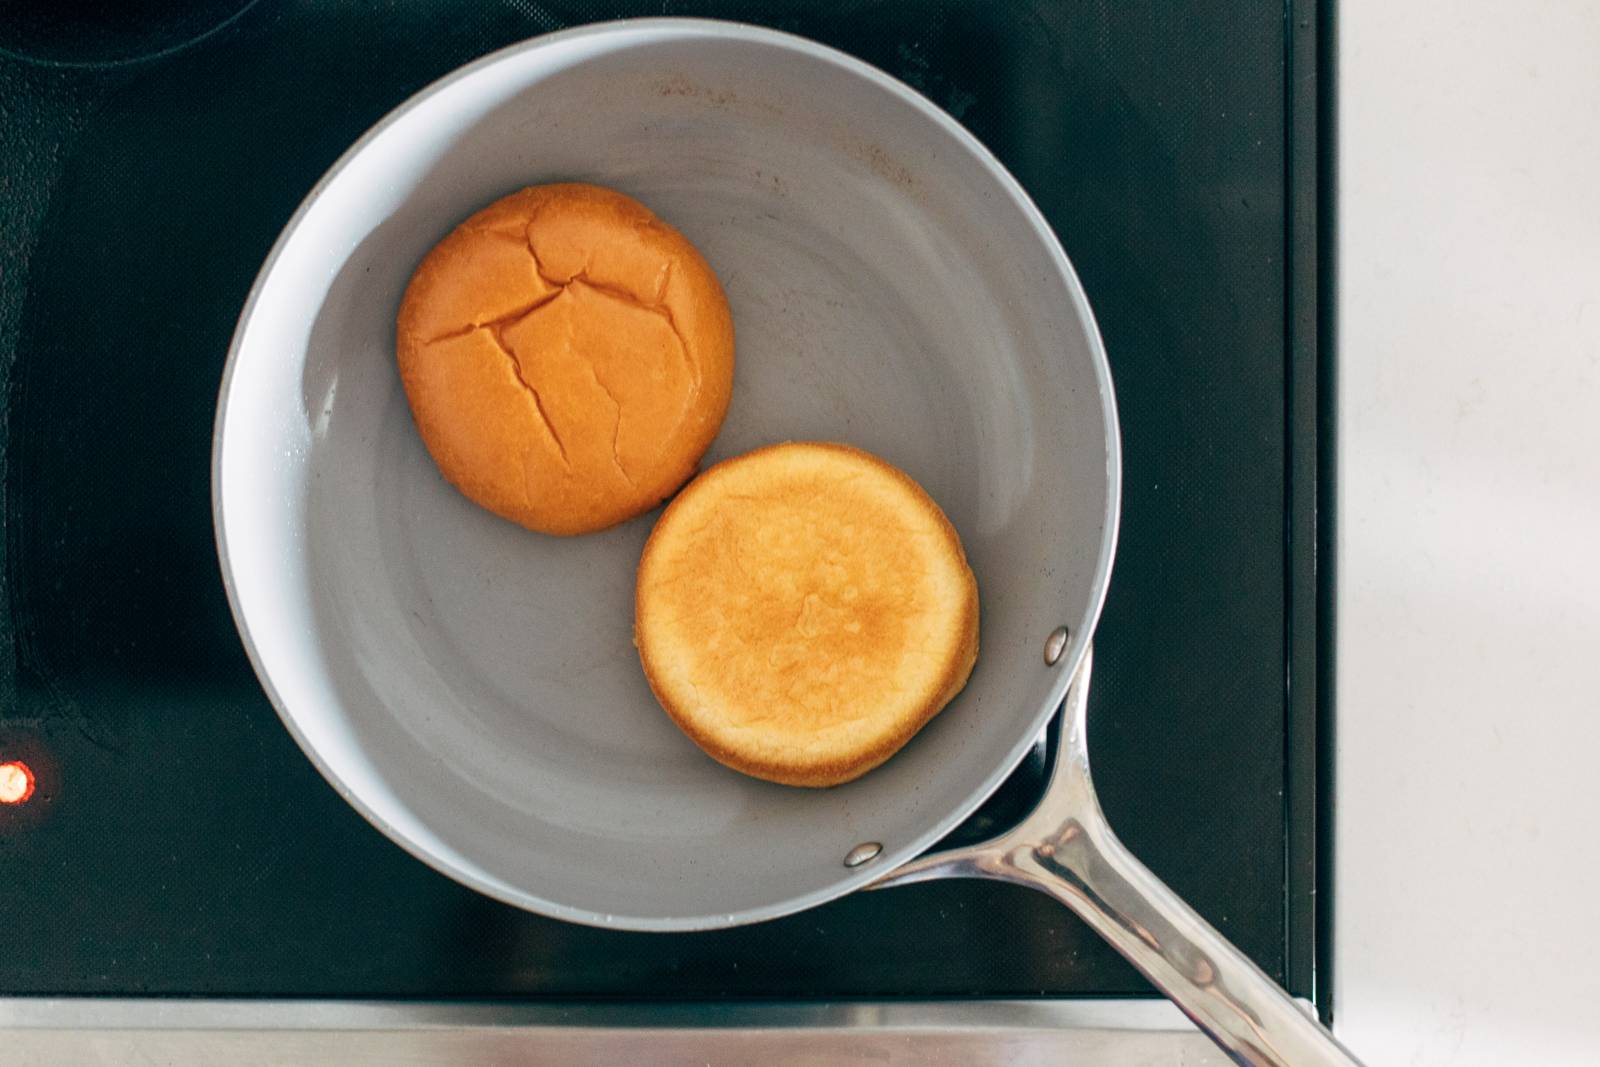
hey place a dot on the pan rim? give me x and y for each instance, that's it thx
(849, 880)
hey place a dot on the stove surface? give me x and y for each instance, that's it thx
(177, 842)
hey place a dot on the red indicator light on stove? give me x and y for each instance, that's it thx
(16, 782)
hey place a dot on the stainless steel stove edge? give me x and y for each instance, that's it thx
(245, 1032)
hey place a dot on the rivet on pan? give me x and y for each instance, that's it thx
(862, 853)
(1054, 645)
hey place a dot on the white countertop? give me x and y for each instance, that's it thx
(1468, 684)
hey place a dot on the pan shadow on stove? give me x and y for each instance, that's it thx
(799, 955)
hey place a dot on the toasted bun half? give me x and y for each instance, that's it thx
(803, 610)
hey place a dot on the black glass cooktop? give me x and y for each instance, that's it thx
(177, 842)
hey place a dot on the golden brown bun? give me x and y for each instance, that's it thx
(803, 610)
(568, 357)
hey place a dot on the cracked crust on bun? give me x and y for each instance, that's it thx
(567, 356)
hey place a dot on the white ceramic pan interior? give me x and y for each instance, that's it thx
(472, 687)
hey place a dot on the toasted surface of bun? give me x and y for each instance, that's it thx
(803, 610)
(568, 357)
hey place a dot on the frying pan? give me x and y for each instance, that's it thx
(472, 688)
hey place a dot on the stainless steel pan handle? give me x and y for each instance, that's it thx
(1067, 849)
